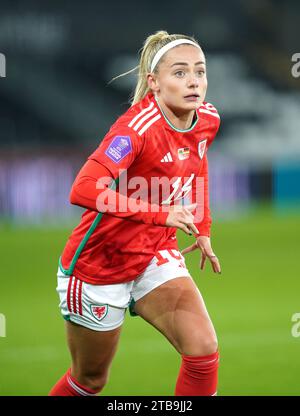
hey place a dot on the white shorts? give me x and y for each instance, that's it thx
(103, 307)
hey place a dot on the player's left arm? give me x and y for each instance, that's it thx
(203, 242)
(203, 218)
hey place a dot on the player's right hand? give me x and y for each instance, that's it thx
(180, 216)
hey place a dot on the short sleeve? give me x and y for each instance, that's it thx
(119, 148)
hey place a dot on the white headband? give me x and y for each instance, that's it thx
(168, 46)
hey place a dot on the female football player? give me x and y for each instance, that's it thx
(148, 178)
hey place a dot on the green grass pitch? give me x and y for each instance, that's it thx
(251, 305)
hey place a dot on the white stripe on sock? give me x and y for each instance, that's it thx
(78, 389)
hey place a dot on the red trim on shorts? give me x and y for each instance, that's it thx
(69, 294)
(174, 255)
(74, 295)
(80, 297)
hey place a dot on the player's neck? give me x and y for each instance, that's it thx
(180, 120)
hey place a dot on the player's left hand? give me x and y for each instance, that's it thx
(204, 244)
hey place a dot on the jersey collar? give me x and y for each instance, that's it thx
(171, 125)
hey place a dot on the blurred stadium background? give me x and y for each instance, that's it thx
(55, 107)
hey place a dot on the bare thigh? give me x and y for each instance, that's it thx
(176, 308)
(92, 353)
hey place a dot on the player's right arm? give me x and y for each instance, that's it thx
(181, 217)
(92, 186)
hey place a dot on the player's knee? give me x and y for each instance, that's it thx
(209, 346)
(199, 345)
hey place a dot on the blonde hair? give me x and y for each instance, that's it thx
(151, 46)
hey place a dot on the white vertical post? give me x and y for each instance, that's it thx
(2, 325)
(2, 65)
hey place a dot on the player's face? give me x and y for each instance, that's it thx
(181, 81)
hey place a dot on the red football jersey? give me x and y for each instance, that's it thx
(143, 145)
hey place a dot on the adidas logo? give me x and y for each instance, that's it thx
(167, 158)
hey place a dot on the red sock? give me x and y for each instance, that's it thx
(198, 376)
(68, 386)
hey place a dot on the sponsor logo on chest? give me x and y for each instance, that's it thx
(183, 153)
